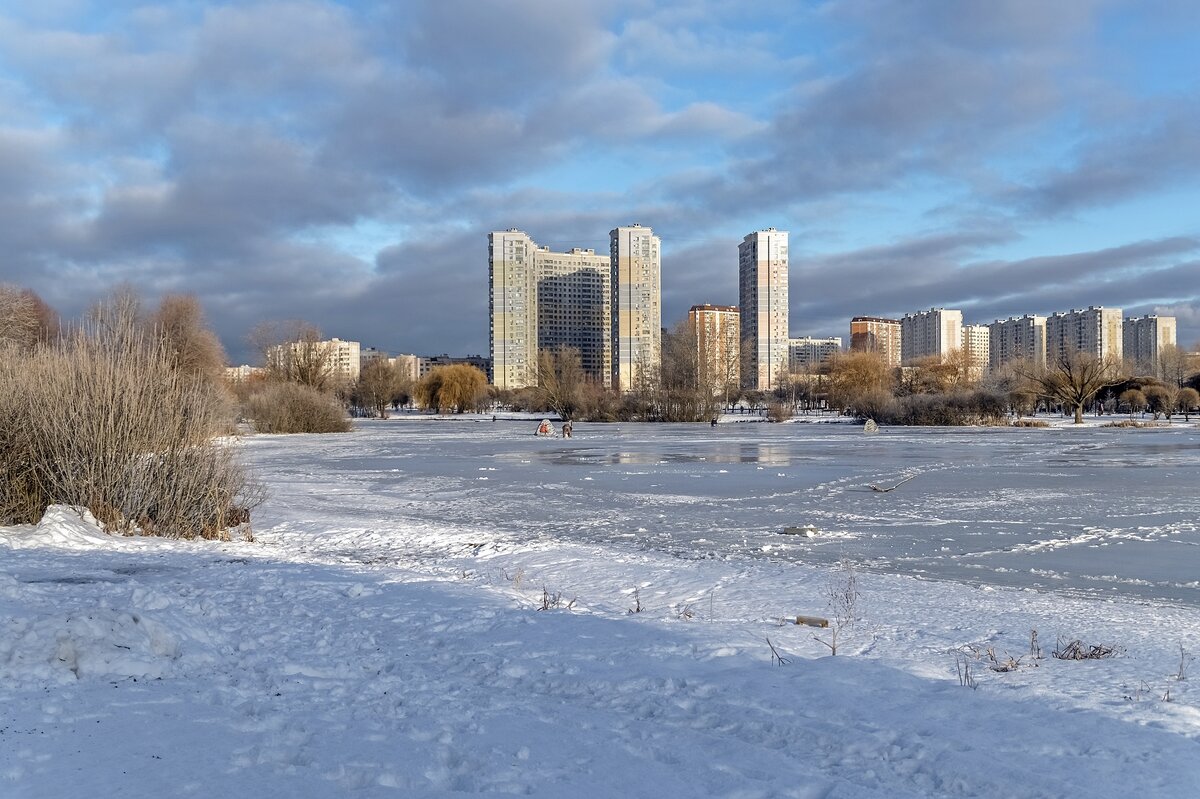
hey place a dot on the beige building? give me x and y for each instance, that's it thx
(763, 302)
(716, 334)
(540, 300)
(1145, 338)
(1017, 339)
(512, 308)
(805, 353)
(635, 275)
(1097, 331)
(408, 366)
(936, 332)
(875, 334)
(976, 347)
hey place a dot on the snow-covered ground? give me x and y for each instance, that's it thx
(384, 635)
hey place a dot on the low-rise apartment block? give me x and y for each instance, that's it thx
(805, 353)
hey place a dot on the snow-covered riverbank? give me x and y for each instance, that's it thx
(395, 647)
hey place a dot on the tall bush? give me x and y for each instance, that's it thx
(104, 420)
(295, 408)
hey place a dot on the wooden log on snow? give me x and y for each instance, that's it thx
(812, 621)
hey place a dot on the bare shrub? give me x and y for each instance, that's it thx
(553, 601)
(1075, 649)
(1185, 660)
(841, 591)
(295, 408)
(778, 412)
(962, 667)
(1030, 423)
(106, 422)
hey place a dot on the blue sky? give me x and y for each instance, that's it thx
(343, 162)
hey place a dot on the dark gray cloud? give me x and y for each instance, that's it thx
(344, 162)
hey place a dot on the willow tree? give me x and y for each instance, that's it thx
(458, 388)
(1074, 378)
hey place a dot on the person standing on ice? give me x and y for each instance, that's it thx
(566, 429)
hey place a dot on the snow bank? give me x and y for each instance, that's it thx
(61, 527)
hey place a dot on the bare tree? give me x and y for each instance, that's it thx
(1162, 399)
(1135, 399)
(194, 347)
(377, 386)
(293, 351)
(24, 318)
(1074, 378)
(857, 374)
(560, 380)
(1189, 400)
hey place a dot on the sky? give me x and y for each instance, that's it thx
(343, 163)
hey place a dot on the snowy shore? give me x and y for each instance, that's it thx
(385, 649)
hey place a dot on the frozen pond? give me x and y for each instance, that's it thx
(1098, 511)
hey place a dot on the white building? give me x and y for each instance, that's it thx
(1017, 339)
(936, 332)
(368, 354)
(806, 353)
(244, 372)
(1096, 330)
(976, 347)
(763, 301)
(635, 281)
(1145, 338)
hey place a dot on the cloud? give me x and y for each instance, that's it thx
(344, 162)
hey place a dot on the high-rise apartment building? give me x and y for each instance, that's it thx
(540, 300)
(636, 308)
(1145, 338)
(874, 334)
(1017, 339)
(716, 334)
(936, 332)
(1097, 331)
(806, 354)
(976, 347)
(512, 307)
(573, 307)
(763, 301)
